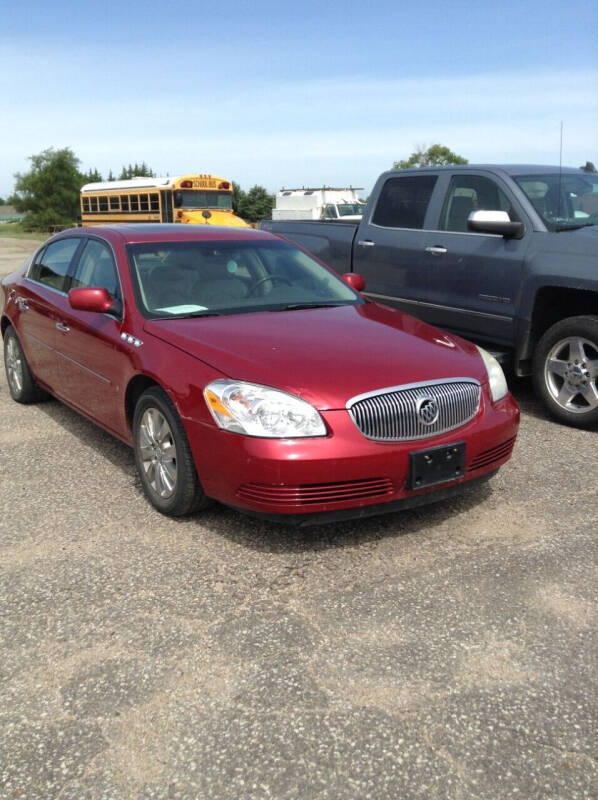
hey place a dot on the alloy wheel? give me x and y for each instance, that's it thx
(571, 374)
(158, 453)
(14, 365)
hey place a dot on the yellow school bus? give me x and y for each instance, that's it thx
(196, 199)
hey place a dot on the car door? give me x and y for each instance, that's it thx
(93, 360)
(389, 246)
(472, 278)
(39, 300)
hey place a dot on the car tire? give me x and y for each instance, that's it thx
(21, 383)
(163, 457)
(565, 371)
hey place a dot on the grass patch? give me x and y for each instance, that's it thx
(16, 232)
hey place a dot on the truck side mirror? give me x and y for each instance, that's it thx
(497, 222)
(354, 280)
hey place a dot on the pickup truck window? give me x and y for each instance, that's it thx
(564, 201)
(404, 201)
(469, 193)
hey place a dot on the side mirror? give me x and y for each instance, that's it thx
(497, 222)
(354, 280)
(92, 299)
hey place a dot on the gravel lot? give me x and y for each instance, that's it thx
(442, 653)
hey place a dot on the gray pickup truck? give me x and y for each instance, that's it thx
(504, 255)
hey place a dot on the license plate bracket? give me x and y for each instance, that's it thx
(436, 465)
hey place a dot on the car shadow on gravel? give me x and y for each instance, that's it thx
(262, 535)
(272, 537)
(89, 434)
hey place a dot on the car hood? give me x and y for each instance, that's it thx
(581, 241)
(325, 355)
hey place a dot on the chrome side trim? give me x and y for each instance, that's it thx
(436, 230)
(97, 375)
(437, 305)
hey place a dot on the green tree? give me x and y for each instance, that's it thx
(255, 204)
(433, 156)
(2, 201)
(238, 196)
(49, 192)
(110, 176)
(93, 176)
(136, 171)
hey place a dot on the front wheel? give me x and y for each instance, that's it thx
(565, 370)
(163, 457)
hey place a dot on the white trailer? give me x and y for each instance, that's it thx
(324, 202)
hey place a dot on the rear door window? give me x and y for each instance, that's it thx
(52, 264)
(403, 201)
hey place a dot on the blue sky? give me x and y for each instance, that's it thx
(303, 93)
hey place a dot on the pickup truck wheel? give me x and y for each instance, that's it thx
(163, 457)
(565, 370)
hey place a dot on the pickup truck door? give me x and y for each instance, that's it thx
(389, 245)
(472, 279)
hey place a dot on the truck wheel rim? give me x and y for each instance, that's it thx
(157, 450)
(571, 374)
(14, 366)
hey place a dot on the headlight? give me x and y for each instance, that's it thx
(260, 411)
(496, 377)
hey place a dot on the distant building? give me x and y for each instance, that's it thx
(10, 214)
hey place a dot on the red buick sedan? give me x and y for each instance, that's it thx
(243, 370)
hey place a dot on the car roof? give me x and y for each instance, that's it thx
(509, 169)
(134, 233)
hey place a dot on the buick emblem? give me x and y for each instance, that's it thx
(427, 410)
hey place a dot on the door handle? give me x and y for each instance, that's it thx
(436, 250)
(62, 327)
(366, 243)
(22, 304)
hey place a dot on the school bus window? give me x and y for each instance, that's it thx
(144, 202)
(154, 202)
(86, 204)
(124, 202)
(103, 203)
(114, 204)
(134, 200)
(94, 203)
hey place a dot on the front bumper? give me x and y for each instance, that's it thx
(344, 471)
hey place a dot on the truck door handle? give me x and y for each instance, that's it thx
(22, 304)
(366, 243)
(436, 250)
(62, 327)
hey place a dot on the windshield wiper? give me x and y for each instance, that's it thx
(190, 315)
(299, 306)
(574, 227)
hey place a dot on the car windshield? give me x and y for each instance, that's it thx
(184, 279)
(564, 201)
(349, 209)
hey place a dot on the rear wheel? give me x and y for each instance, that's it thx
(163, 456)
(565, 370)
(21, 383)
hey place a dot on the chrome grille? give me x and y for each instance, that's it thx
(392, 414)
